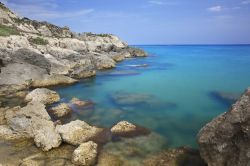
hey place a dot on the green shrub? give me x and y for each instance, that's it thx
(7, 30)
(38, 41)
(103, 35)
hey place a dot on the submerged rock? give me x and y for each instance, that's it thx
(77, 132)
(225, 140)
(225, 98)
(125, 98)
(131, 151)
(175, 157)
(85, 154)
(107, 159)
(81, 103)
(56, 157)
(60, 110)
(43, 95)
(127, 129)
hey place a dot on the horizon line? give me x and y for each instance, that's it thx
(188, 44)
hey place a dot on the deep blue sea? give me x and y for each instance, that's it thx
(174, 93)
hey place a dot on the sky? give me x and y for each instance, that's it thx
(147, 21)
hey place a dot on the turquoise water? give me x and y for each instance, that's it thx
(176, 84)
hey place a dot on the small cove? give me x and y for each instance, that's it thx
(168, 92)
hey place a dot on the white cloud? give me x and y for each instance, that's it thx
(44, 10)
(158, 2)
(215, 8)
(246, 2)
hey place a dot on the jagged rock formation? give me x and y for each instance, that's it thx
(39, 54)
(225, 140)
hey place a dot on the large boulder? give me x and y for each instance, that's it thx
(34, 122)
(77, 132)
(225, 140)
(85, 154)
(43, 95)
(20, 74)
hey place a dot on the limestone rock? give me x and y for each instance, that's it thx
(20, 74)
(77, 132)
(52, 80)
(102, 61)
(225, 140)
(85, 154)
(127, 129)
(2, 115)
(137, 52)
(7, 134)
(61, 110)
(33, 121)
(43, 95)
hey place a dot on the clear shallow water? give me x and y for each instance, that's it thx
(177, 84)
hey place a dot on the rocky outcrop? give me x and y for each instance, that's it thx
(225, 140)
(77, 132)
(20, 74)
(85, 154)
(42, 54)
(127, 129)
(43, 95)
(52, 80)
(34, 122)
(60, 110)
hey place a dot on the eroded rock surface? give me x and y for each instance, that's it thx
(60, 110)
(77, 132)
(127, 129)
(225, 140)
(34, 122)
(85, 154)
(43, 95)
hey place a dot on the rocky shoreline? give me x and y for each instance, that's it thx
(35, 56)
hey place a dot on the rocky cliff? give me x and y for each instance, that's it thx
(39, 54)
(225, 140)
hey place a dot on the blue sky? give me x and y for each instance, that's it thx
(147, 21)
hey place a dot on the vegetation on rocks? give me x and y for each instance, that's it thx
(7, 30)
(38, 41)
